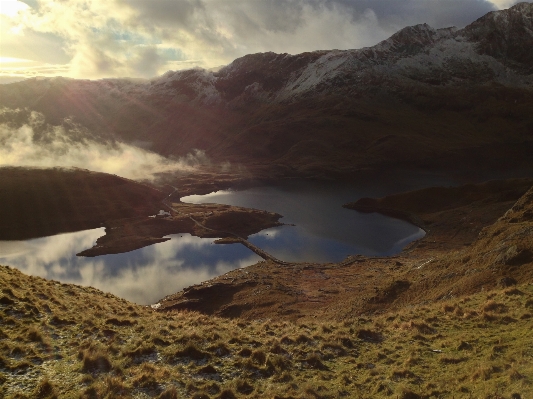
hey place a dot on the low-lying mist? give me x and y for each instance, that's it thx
(26, 140)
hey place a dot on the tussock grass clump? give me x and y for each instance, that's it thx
(145, 380)
(369, 335)
(258, 357)
(303, 339)
(169, 393)
(243, 387)
(406, 393)
(492, 306)
(285, 340)
(94, 360)
(120, 322)
(4, 300)
(313, 361)
(56, 320)
(191, 351)
(115, 387)
(402, 374)
(219, 349)
(482, 373)
(277, 363)
(245, 352)
(464, 346)
(421, 327)
(452, 360)
(142, 349)
(513, 292)
(34, 334)
(209, 369)
(44, 390)
(226, 394)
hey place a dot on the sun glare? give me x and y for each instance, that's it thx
(12, 7)
(501, 4)
(13, 60)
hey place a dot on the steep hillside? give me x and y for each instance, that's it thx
(41, 202)
(453, 259)
(506, 36)
(448, 326)
(422, 98)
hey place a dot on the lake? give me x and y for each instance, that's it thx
(318, 228)
(323, 231)
(142, 276)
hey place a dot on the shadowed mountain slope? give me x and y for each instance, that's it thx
(424, 98)
(41, 202)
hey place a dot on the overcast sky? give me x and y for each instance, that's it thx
(145, 38)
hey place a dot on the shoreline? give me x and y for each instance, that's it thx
(277, 290)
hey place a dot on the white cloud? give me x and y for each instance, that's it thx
(25, 140)
(140, 38)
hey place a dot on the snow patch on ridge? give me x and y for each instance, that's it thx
(196, 83)
(325, 68)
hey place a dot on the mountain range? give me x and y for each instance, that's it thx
(424, 98)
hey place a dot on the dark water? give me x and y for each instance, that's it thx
(324, 232)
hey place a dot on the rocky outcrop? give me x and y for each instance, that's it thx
(506, 35)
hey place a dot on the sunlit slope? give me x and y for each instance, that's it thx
(60, 340)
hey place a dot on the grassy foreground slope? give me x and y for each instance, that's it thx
(60, 340)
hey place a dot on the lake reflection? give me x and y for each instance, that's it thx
(142, 276)
(324, 231)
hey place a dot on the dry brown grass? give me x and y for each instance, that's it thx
(69, 341)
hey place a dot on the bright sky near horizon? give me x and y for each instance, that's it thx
(145, 38)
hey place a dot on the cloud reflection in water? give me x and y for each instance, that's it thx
(142, 276)
(324, 232)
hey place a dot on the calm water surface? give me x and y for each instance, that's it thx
(323, 232)
(142, 276)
